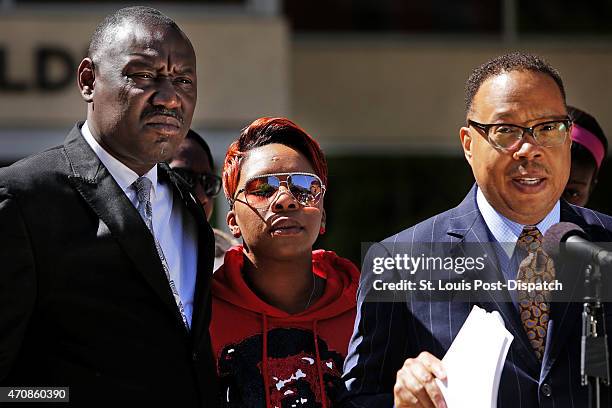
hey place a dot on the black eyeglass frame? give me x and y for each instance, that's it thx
(485, 127)
(200, 178)
(233, 200)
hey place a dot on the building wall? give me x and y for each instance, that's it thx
(242, 67)
(355, 93)
(402, 96)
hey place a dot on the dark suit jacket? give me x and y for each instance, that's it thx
(387, 333)
(84, 301)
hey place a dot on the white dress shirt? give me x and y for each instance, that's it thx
(173, 226)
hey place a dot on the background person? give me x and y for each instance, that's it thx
(193, 162)
(589, 149)
(282, 313)
(104, 285)
(517, 143)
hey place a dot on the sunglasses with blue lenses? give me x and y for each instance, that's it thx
(260, 191)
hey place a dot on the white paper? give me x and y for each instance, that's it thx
(475, 360)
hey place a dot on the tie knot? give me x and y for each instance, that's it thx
(143, 185)
(530, 239)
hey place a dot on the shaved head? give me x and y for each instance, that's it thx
(113, 26)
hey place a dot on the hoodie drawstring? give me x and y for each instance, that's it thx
(319, 362)
(264, 360)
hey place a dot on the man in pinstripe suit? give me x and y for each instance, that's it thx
(521, 169)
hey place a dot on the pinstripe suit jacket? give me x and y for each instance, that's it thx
(386, 333)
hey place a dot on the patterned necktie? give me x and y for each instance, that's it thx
(143, 185)
(534, 306)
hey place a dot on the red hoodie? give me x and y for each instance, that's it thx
(304, 351)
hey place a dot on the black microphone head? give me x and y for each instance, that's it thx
(558, 234)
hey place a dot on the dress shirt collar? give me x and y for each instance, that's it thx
(123, 175)
(507, 232)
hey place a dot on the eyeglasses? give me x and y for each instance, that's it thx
(260, 191)
(508, 136)
(211, 183)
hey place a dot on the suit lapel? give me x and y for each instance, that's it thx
(468, 226)
(98, 188)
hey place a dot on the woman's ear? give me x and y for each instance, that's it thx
(232, 224)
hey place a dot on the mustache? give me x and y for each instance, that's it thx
(528, 167)
(157, 111)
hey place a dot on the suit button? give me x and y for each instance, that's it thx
(546, 390)
(195, 356)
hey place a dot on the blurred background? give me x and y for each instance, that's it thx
(379, 83)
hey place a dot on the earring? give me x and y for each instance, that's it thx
(236, 232)
(322, 229)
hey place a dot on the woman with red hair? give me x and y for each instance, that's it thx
(282, 313)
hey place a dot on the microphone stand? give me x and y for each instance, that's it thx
(594, 357)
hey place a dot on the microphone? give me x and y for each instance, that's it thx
(576, 242)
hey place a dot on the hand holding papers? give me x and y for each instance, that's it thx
(475, 360)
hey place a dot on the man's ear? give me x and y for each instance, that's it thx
(466, 142)
(232, 224)
(86, 79)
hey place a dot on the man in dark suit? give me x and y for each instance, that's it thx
(517, 142)
(106, 258)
